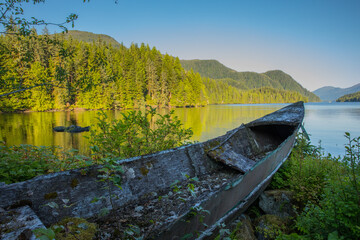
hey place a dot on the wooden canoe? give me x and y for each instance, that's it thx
(242, 162)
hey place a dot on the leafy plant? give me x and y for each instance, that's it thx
(339, 207)
(305, 172)
(44, 233)
(23, 162)
(133, 232)
(328, 187)
(110, 173)
(138, 133)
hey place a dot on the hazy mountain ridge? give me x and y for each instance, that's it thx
(330, 93)
(91, 37)
(276, 79)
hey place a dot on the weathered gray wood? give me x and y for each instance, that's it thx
(74, 192)
(18, 224)
(229, 157)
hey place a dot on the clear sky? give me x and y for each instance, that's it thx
(317, 42)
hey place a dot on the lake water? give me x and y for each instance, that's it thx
(325, 122)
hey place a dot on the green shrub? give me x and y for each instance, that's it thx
(305, 172)
(339, 207)
(137, 133)
(329, 189)
(23, 162)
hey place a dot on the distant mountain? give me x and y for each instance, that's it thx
(247, 80)
(90, 37)
(352, 97)
(332, 93)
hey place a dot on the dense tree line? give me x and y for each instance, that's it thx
(353, 97)
(62, 73)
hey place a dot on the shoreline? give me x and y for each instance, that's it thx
(79, 109)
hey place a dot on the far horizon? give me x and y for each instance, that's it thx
(318, 50)
(338, 87)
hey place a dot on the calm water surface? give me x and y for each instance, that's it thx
(325, 122)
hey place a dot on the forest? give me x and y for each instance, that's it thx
(275, 79)
(61, 72)
(353, 97)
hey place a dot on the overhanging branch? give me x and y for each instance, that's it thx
(28, 88)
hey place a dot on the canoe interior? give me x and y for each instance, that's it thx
(269, 137)
(245, 146)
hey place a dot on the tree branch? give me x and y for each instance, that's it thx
(7, 9)
(28, 88)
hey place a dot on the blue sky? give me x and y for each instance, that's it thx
(316, 42)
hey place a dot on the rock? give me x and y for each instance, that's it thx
(269, 226)
(77, 129)
(59, 129)
(277, 202)
(244, 229)
(71, 129)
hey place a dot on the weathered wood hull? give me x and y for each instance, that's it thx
(233, 199)
(266, 142)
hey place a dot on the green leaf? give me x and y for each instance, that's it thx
(44, 233)
(52, 205)
(83, 226)
(187, 236)
(104, 212)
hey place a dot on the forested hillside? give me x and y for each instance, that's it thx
(353, 97)
(247, 80)
(219, 92)
(61, 73)
(288, 83)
